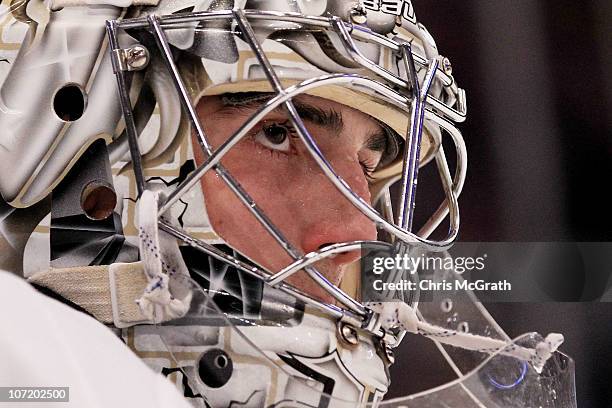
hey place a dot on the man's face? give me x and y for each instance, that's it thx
(274, 167)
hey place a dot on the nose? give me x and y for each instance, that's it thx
(334, 218)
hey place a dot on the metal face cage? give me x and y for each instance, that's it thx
(409, 93)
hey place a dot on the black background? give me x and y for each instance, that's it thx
(538, 77)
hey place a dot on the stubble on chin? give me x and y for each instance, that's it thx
(306, 284)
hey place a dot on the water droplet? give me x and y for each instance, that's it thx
(446, 305)
(463, 327)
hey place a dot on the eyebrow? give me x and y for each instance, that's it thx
(378, 141)
(318, 116)
(325, 118)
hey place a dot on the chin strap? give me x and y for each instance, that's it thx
(400, 315)
(165, 297)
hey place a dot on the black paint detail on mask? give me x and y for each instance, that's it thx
(187, 390)
(328, 382)
(5, 209)
(215, 368)
(247, 403)
(238, 295)
(184, 171)
(245, 292)
(97, 241)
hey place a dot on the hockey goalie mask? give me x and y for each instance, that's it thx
(278, 142)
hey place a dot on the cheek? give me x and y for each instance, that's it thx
(265, 179)
(261, 175)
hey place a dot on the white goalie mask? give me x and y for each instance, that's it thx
(215, 171)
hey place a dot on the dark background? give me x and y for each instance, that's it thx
(538, 77)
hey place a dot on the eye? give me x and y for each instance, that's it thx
(369, 161)
(368, 169)
(275, 136)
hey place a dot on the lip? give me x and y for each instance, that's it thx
(344, 258)
(341, 258)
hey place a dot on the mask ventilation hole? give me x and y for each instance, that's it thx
(98, 200)
(69, 102)
(215, 368)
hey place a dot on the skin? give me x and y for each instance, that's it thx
(272, 165)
